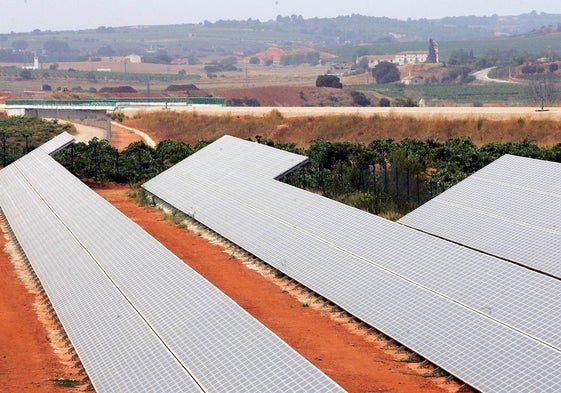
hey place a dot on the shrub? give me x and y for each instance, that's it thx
(118, 89)
(359, 98)
(386, 72)
(384, 102)
(120, 116)
(329, 81)
(26, 75)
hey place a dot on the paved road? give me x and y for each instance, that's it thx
(483, 75)
(86, 133)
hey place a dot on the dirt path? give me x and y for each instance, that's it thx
(28, 362)
(357, 361)
(86, 133)
(483, 76)
(121, 136)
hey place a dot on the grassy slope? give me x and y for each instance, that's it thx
(192, 127)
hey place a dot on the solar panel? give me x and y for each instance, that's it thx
(420, 290)
(221, 345)
(119, 351)
(57, 143)
(510, 209)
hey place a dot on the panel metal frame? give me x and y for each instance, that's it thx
(454, 306)
(220, 345)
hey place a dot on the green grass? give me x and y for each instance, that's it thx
(98, 75)
(67, 383)
(457, 93)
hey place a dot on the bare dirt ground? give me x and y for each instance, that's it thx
(30, 361)
(122, 136)
(491, 113)
(357, 361)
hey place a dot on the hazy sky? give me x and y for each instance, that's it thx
(27, 15)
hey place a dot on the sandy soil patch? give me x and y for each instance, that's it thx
(491, 113)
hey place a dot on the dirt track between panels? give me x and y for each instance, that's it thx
(357, 361)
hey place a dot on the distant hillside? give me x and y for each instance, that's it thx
(164, 44)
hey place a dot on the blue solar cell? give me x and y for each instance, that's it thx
(510, 209)
(207, 337)
(472, 314)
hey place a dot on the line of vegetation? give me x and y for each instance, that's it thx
(93, 76)
(342, 35)
(19, 135)
(383, 176)
(476, 95)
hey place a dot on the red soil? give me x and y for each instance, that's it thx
(121, 137)
(355, 360)
(28, 362)
(287, 96)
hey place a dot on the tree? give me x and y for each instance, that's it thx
(405, 102)
(20, 45)
(254, 60)
(26, 75)
(171, 152)
(384, 102)
(359, 98)
(313, 58)
(329, 81)
(56, 46)
(386, 72)
(229, 63)
(460, 57)
(362, 64)
(105, 50)
(193, 60)
(542, 90)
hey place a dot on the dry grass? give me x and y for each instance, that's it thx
(191, 127)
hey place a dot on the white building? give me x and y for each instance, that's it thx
(35, 65)
(400, 58)
(133, 59)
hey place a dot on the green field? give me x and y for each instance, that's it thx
(515, 94)
(98, 75)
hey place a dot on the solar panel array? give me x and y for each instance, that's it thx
(492, 324)
(57, 143)
(511, 209)
(139, 318)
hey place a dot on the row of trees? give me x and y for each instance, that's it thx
(384, 175)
